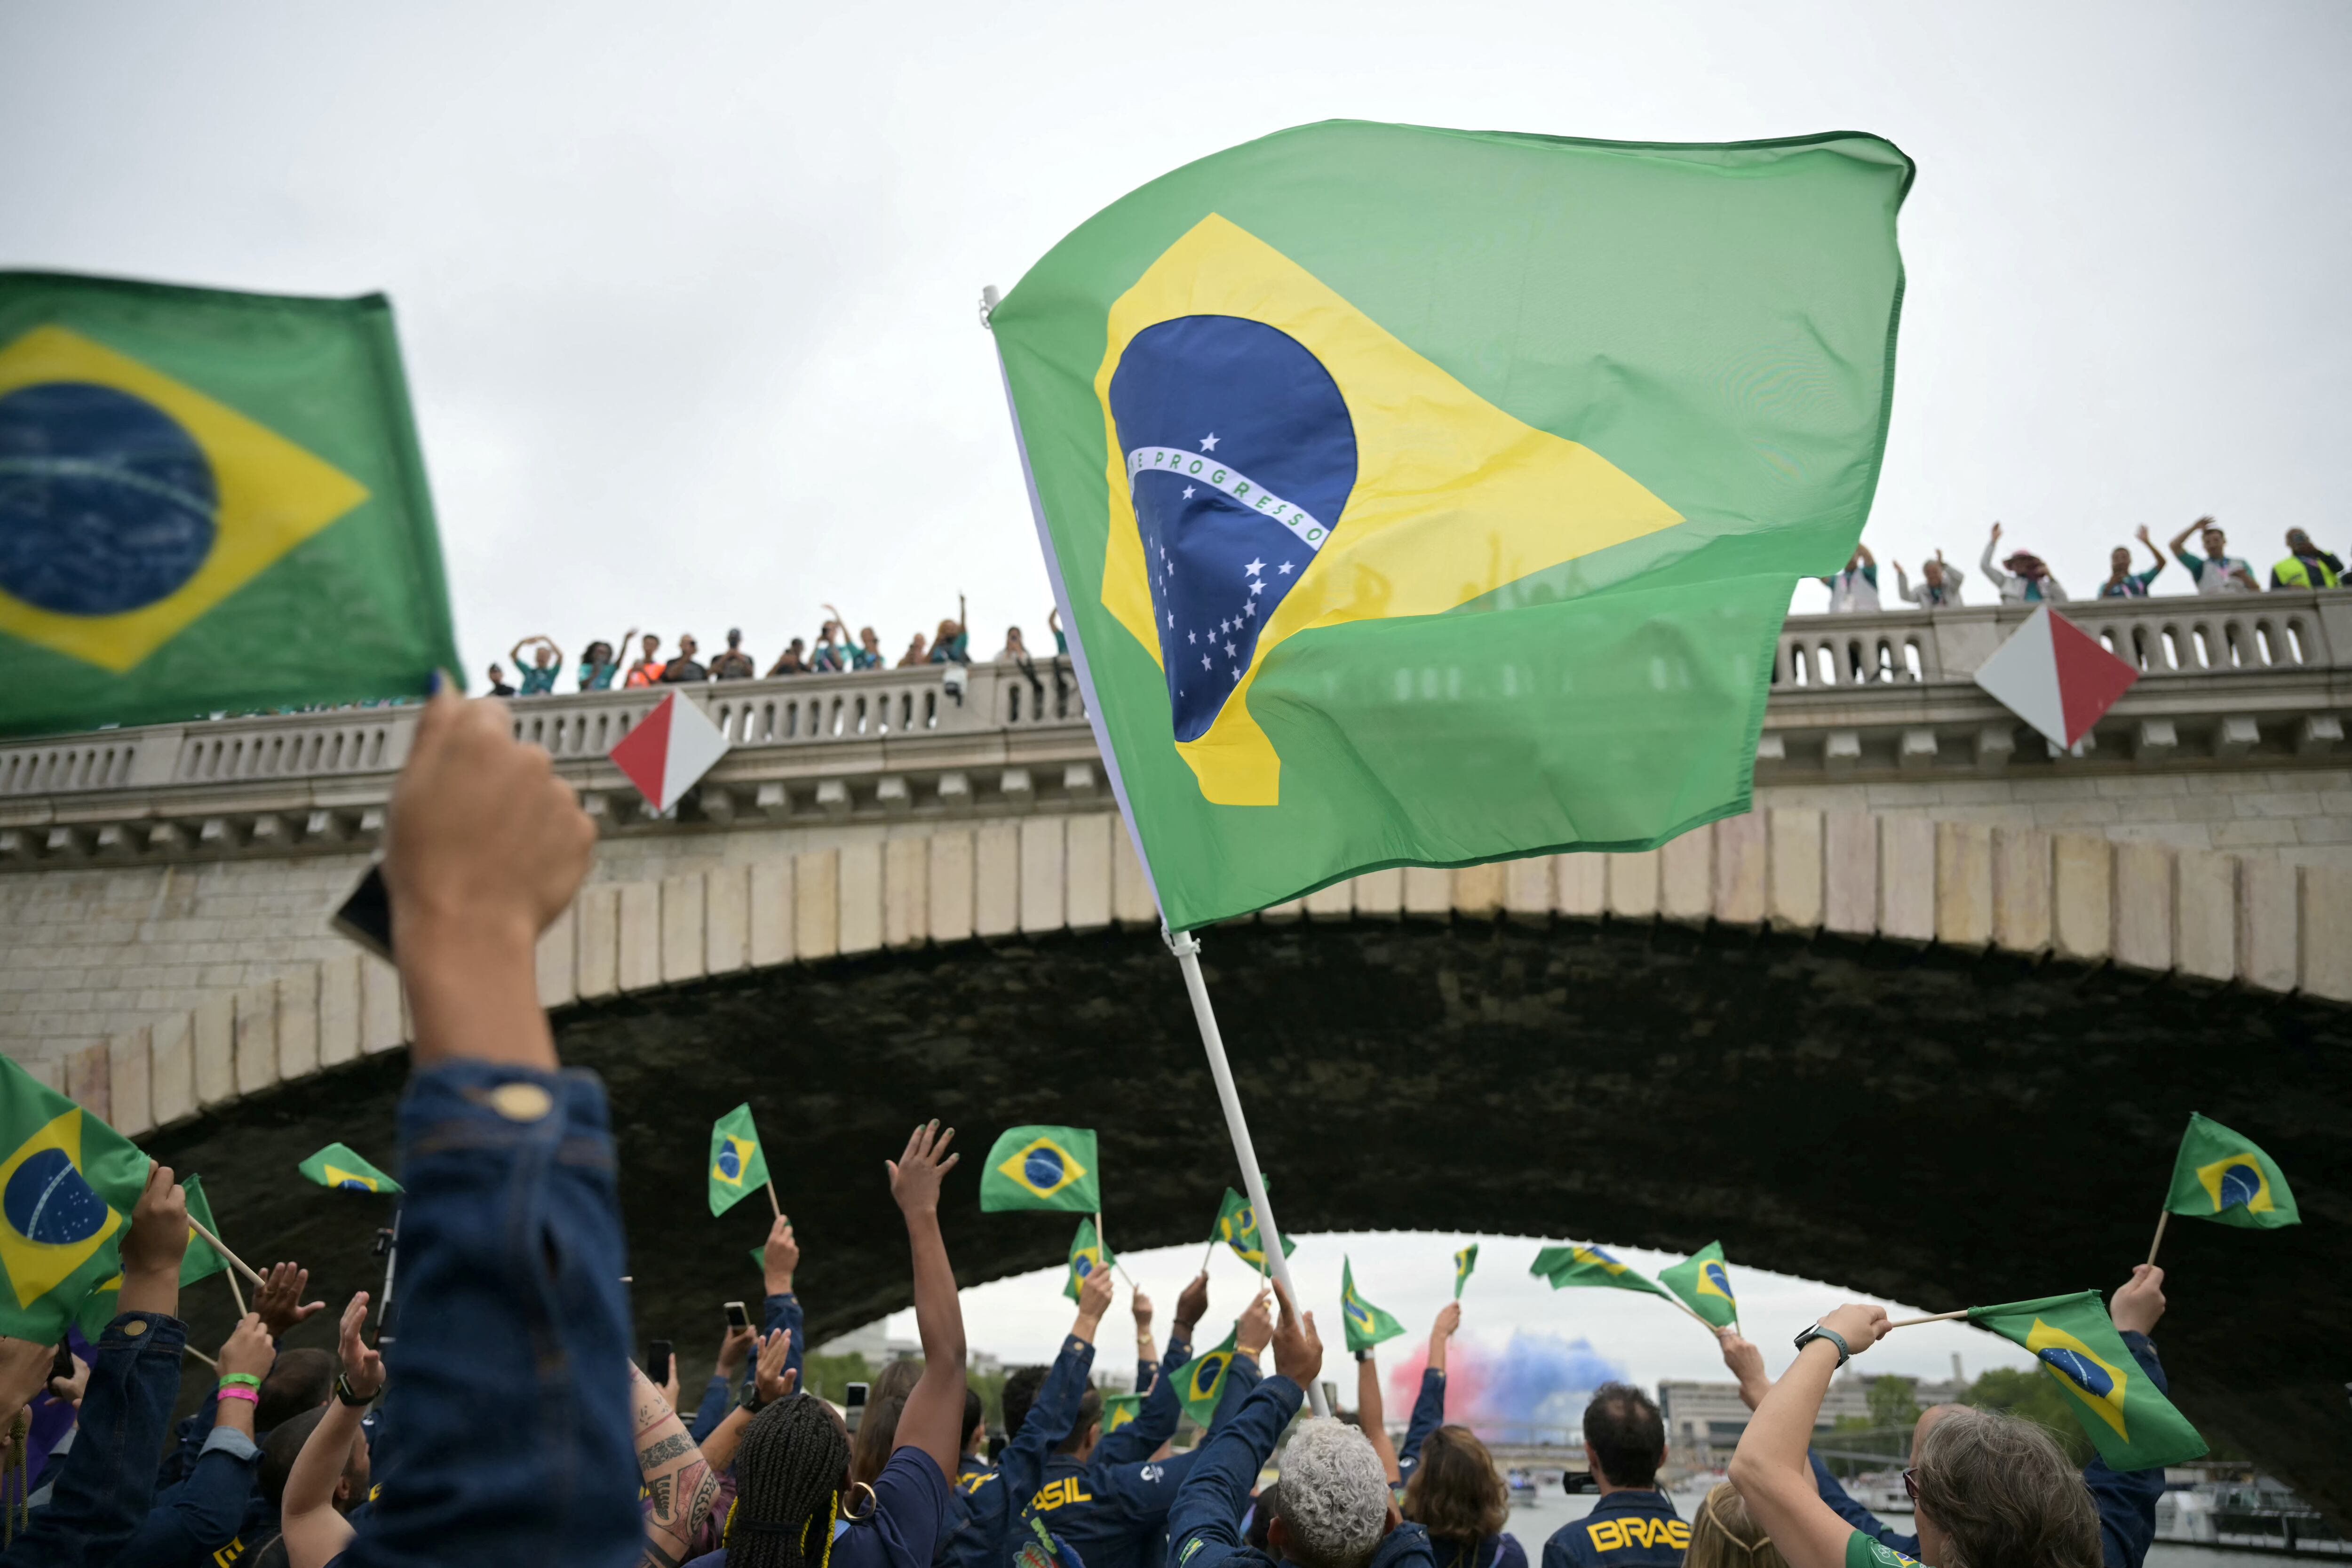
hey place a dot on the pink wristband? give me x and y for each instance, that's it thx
(236, 1391)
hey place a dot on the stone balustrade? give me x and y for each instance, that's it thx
(2197, 919)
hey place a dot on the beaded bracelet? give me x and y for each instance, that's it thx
(245, 1378)
(250, 1395)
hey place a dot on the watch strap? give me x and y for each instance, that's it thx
(1846, 1351)
(350, 1395)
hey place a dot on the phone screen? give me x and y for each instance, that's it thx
(737, 1317)
(658, 1358)
(853, 1401)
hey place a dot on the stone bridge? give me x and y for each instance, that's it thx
(1927, 1022)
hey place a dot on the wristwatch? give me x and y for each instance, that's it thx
(350, 1395)
(1819, 1332)
(750, 1399)
(1364, 1356)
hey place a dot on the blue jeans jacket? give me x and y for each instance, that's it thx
(2125, 1498)
(1428, 1415)
(194, 1518)
(107, 1478)
(511, 1370)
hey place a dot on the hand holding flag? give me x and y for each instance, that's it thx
(1089, 1257)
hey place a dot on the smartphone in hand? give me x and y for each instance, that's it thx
(854, 1404)
(737, 1317)
(658, 1363)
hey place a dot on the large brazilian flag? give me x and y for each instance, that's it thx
(209, 502)
(1432, 497)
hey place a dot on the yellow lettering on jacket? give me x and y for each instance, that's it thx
(1055, 1494)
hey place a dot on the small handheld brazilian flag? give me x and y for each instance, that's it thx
(1310, 415)
(2221, 1175)
(1572, 1266)
(1367, 1325)
(1200, 1381)
(1237, 1228)
(67, 1186)
(1463, 1262)
(211, 501)
(738, 1166)
(2127, 1419)
(1042, 1168)
(1088, 1254)
(338, 1167)
(1704, 1285)
(200, 1261)
(1118, 1409)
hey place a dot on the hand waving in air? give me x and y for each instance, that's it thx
(363, 1366)
(915, 1175)
(279, 1298)
(774, 1378)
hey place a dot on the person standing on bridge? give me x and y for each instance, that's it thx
(2123, 583)
(1854, 590)
(2306, 566)
(2026, 580)
(1634, 1525)
(1940, 584)
(2216, 570)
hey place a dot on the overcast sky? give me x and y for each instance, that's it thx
(688, 293)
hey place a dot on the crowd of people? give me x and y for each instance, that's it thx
(537, 660)
(2021, 576)
(509, 1425)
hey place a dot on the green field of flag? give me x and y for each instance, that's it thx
(1362, 452)
(67, 1184)
(1463, 1262)
(1042, 1168)
(338, 1167)
(1367, 1325)
(1200, 1381)
(739, 1167)
(1118, 1409)
(1572, 1266)
(2127, 1419)
(1704, 1285)
(2221, 1175)
(1237, 1228)
(210, 501)
(1088, 1254)
(201, 1261)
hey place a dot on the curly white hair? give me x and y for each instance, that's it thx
(1335, 1495)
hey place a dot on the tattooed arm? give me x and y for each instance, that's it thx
(679, 1484)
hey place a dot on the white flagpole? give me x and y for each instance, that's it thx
(1186, 948)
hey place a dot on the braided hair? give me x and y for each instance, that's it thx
(788, 1475)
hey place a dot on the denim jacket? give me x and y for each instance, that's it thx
(511, 1366)
(107, 1478)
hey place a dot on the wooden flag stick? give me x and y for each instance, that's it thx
(201, 1356)
(1932, 1318)
(222, 1247)
(1104, 1242)
(234, 1290)
(1208, 1256)
(2162, 1217)
(1684, 1307)
(771, 1198)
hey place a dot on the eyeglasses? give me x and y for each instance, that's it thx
(1911, 1484)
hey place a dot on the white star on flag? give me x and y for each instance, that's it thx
(1229, 650)
(1209, 445)
(1171, 620)
(1254, 567)
(1205, 661)
(1237, 674)
(1257, 587)
(1250, 608)
(1286, 568)
(1187, 496)
(1192, 636)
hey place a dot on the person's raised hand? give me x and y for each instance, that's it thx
(1094, 1298)
(735, 1350)
(1858, 1323)
(24, 1372)
(363, 1366)
(1142, 1307)
(1996, 533)
(2138, 1302)
(1298, 1350)
(279, 1298)
(1745, 1362)
(2140, 533)
(669, 1388)
(1449, 1321)
(779, 1257)
(485, 843)
(1192, 1302)
(772, 1379)
(154, 1245)
(248, 1348)
(1256, 1325)
(916, 1173)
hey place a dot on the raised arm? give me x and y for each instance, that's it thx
(2127, 1498)
(678, 1481)
(1772, 1466)
(2182, 539)
(933, 1418)
(1147, 1354)
(1429, 1407)
(772, 1380)
(1993, 574)
(315, 1532)
(1204, 1523)
(1372, 1414)
(778, 1259)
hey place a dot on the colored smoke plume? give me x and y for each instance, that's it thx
(1531, 1390)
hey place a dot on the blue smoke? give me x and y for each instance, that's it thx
(1537, 1388)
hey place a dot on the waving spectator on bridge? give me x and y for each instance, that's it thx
(2306, 566)
(1854, 590)
(1940, 584)
(647, 670)
(538, 676)
(2027, 580)
(2216, 570)
(2123, 583)
(734, 664)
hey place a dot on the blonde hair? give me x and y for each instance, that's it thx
(2005, 1495)
(1723, 1535)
